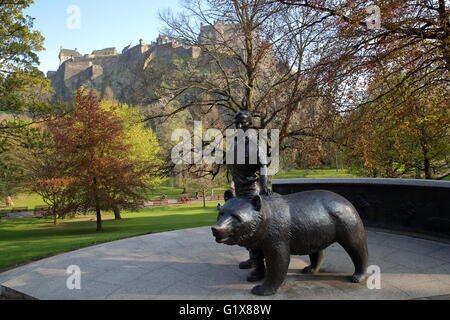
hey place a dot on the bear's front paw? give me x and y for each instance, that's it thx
(249, 264)
(310, 270)
(256, 275)
(263, 291)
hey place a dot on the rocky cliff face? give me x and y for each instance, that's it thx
(106, 69)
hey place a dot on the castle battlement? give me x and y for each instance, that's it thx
(74, 55)
(107, 67)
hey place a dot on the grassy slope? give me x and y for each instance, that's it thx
(33, 200)
(319, 173)
(28, 200)
(23, 240)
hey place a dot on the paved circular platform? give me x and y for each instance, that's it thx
(189, 264)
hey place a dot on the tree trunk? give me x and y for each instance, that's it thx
(426, 155)
(99, 220)
(97, 206)
(427, 168)
(117, 215)
(204, 199)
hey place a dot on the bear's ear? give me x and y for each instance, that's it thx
(257, 203)
(229, 194)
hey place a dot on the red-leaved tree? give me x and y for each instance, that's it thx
(93, 157)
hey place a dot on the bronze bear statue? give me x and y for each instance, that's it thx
(303, 223)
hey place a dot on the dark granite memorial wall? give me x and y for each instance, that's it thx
(417, 206)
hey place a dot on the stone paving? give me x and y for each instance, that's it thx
(189, 264)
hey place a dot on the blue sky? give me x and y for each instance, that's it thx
(103, 23)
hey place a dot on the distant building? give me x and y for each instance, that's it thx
(107, 68)
(67, 54)
(162, 39)
(105, 52)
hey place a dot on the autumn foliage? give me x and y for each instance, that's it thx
(95, 171)
(394, 140)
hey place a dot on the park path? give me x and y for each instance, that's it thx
(19, 215)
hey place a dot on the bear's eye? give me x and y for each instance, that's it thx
(236, 217)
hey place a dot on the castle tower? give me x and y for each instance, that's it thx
(111, 67)
(67, 54)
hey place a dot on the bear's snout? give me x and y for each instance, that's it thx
(220, 233)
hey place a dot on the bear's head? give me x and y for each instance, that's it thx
(239, 221)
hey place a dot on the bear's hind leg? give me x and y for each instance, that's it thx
(316, 262)
(357, 250)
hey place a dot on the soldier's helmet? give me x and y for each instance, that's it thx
(243, 120)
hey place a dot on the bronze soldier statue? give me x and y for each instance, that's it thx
(276, 227)
(250, 179)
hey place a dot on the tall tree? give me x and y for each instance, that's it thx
(23, 88)
(98, 163)
(19, 157)
(411, 44)
(254, 55)
(24, 91)
(407, 140)
(144, 147)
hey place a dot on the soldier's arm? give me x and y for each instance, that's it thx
(263, 173)
(265, 191)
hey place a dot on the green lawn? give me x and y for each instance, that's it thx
(27, 200)
(24, 240)
(169, 189)
(175, 192)
(314, 173)
(33, 200)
